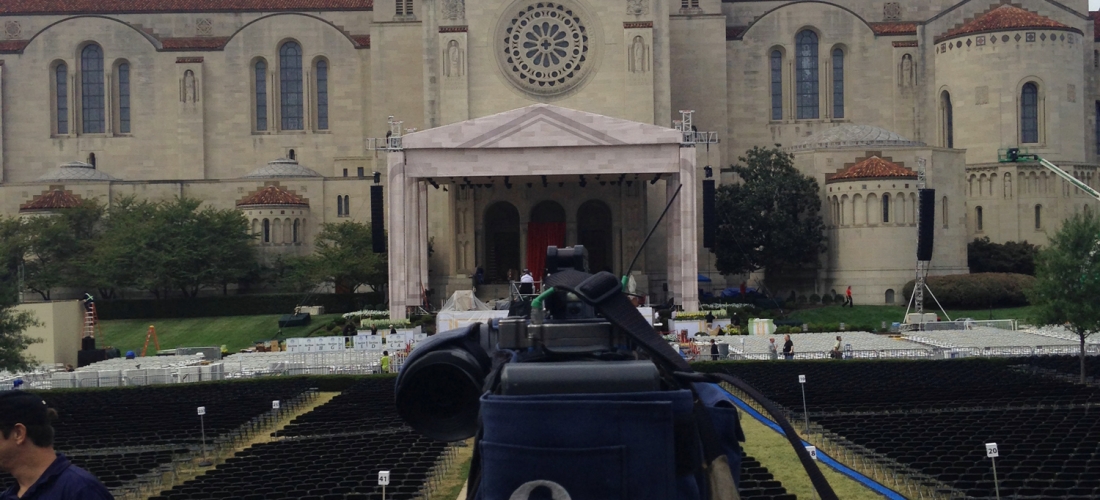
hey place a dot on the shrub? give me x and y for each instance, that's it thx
(802, 299)
(984, 256)
(827, 299)
(815, 299)
(978, 290)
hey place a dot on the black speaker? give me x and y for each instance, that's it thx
(710, 222)
(377, 221)
(927, 224)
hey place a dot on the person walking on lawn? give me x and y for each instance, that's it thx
(848, 299)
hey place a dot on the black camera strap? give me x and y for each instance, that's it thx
(604, 292)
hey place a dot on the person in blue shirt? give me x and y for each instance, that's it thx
(26, 452)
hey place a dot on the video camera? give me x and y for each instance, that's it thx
(566, 348)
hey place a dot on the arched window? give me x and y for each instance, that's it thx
(91, 159)
(260, 82)
(123, 97)
(978, 218)
(290, 154)
(295, 235)
(1038, 216)
(885, 208)
(347, 205)
(339, 206)
(890, 296)
(948, 119)
(404, 7)
(61, 98)
(267, 231)
(806, 74)
(838, 84)
(777, 85)
(321, 74)
(290, 86)
(943, 212)
(91, 90)
(1029, 113)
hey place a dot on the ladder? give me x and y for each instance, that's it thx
(151, 334)
(91, 322)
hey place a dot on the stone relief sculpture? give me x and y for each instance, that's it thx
(637, 7)
(454, 9)
(639, 55)
(189, 88)
(452, 59)
(906, 79)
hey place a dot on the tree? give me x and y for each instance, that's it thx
(771, 219)
(984, 256)
(57, 247)
(1068, 280)
(343, 256)
(13, 342)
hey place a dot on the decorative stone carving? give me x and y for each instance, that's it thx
(204, 26)
(891, 11)
(189, 88)
(453, 60)
(12, 29)
(547, 48)
(637, 7)
(454, 9)
(639, 55)
(906, 80)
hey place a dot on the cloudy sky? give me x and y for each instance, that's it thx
(1094, 4)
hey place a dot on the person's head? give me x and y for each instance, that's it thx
(772, 340)
(24, 427)
(385, 353)
(838, 337)
(711, 341)
(786, 337)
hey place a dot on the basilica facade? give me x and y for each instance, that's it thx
(282, 109)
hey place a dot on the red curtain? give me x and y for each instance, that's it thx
(539, 236)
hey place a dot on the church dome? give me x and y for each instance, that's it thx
(1005, 18)
(74, 171)
(853, 136)
(281, 168)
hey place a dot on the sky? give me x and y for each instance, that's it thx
(1094, 4)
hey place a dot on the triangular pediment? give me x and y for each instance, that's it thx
(541, 126)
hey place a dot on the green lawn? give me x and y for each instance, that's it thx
(235, 332)
(875, 315)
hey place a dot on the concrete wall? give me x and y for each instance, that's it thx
(60, 328)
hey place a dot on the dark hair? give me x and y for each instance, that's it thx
(41, 434)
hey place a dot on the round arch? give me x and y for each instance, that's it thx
(150, 38)
(799, 4)
(501, 242)
(547, 211)
(594, 223)
(258, 19)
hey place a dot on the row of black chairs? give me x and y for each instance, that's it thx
(757, 483)
(365, 406)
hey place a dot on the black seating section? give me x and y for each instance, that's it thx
(365, 406)
(936, 416)
(333, 452)
(1069, 365)
(159, 415)
(759, 484)
(907, 385)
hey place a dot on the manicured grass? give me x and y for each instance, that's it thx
(235, 332)
(774, 452)
(875, 315)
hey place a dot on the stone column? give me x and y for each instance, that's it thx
(689, 242)
(673, 223)
(396, 236)
(422, 233)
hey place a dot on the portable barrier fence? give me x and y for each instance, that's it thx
(1000, 324)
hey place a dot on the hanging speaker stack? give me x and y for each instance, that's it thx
(710, 222)
(377, 220)
(927, 224)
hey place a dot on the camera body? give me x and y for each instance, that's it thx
(565, 348)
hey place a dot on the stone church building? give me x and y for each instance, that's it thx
(280, 109)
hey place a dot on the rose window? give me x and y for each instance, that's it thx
(546, 48)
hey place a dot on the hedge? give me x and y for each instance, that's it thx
(975, 291)
(232, 305)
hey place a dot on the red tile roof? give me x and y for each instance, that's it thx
(362, 40)
(272, 195)
(888, 29)
(872, 168)
(194, 43)
(1005, 17)
(13, 46)
(16, 7)
(52, 200)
